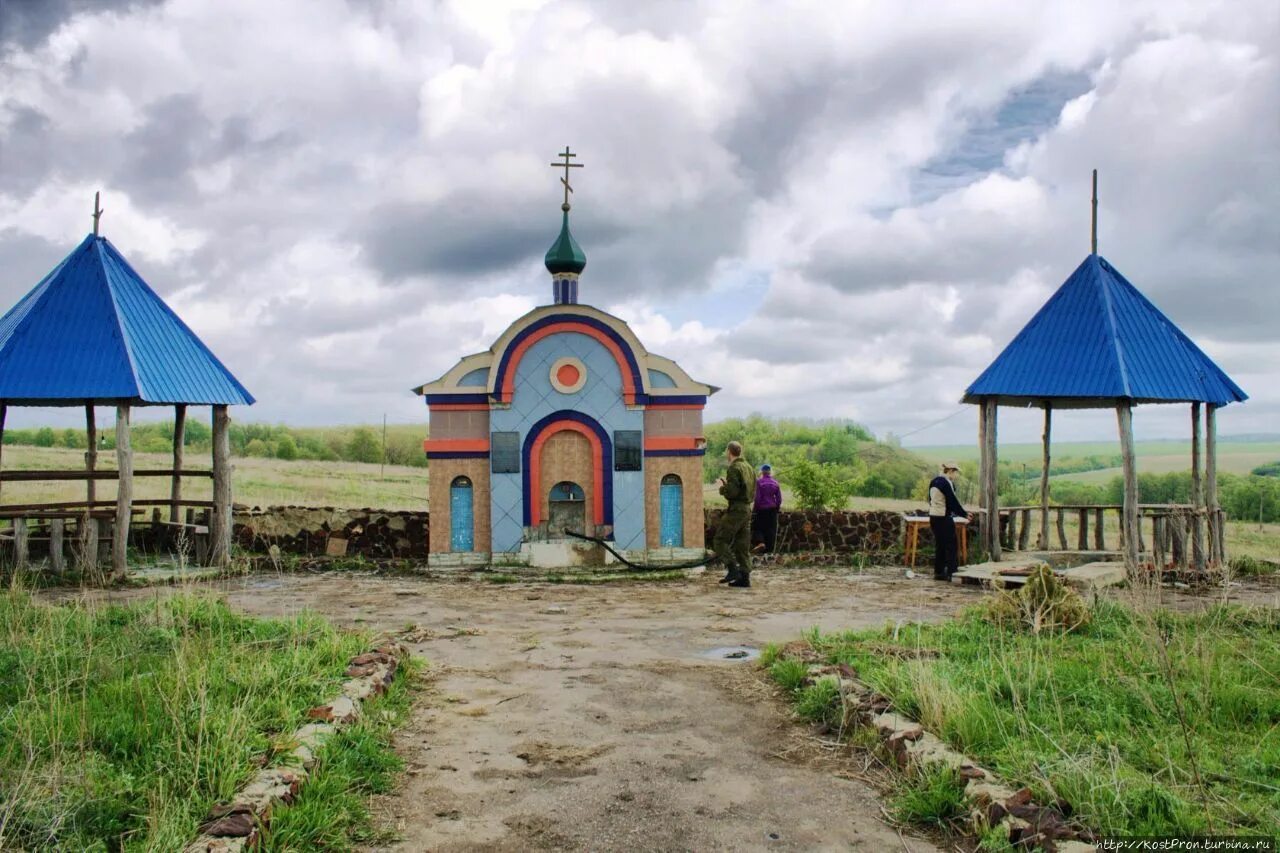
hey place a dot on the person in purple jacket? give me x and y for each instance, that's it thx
(768, 503)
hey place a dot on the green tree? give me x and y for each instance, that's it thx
(73, 438)
(818, 485)
(286, 448)
(364, 446)
(258, 447)
(45, 437)
(1271, 469)
(875, 486)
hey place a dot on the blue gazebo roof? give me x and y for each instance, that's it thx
(92, 330)
(1098, 340)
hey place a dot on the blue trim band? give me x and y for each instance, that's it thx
(458, 454)
(455, 398)
(649, 453)
(674, 400)
(606, 448)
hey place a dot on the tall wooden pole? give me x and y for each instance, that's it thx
(1197, 504)
(179, 439)
(1129, 514)
(124, 496)
(88, 524)
(1044, 479)
(1217, 536)
(4, 414)
(1093, 230)
(220, 524)
(991, 480)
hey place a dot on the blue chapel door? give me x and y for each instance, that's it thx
(461, 516)
(671, 512)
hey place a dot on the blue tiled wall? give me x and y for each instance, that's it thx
(599, 398)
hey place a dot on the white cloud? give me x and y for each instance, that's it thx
(344, 197)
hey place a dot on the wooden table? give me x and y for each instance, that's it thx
(916, 522)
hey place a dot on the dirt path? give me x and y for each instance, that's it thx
(571, 717)
(592, 718)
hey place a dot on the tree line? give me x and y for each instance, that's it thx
(822, 463)
(266, 441)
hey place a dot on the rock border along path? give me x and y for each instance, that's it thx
(1030, 826)
(236, 825)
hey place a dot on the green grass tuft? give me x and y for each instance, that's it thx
(121, 725)
(933, 797)
(1146, 722)
(790, 674)
(332, 811)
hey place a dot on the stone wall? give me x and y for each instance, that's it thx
(406, 534)
(874, 532)
(337, 532)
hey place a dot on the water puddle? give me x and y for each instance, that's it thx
(731, 653)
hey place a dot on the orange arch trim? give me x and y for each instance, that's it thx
(507, 390)
(535, 470)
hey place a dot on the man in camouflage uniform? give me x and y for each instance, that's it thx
(733, 537)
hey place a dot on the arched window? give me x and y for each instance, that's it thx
(671, 512)
(567, 491)
(461, 515)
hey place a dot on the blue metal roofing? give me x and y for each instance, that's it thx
(1099, 339)
(93, 330)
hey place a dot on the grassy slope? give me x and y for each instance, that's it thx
(1153, 456)
(129, 722)
(1095, 717)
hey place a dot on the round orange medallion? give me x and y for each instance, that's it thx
(568, 374)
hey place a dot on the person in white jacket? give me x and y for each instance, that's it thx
(944, 506)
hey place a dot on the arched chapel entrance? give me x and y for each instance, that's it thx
(567, 467)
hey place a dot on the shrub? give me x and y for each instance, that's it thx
(364, 446)
(1043, 603)
(818, 486)
(286, 448)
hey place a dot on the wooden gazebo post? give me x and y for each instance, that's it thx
(220, 523)
(124, 496)
(990, 477)
(1217, 536)
(1129, 514)
(89, 524)
(1197, 502)
(1044, 479)
(179, 439)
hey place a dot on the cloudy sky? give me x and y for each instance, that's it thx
(828, 209)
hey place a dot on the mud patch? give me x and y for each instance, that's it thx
(564, 761)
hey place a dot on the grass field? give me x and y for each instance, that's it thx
(254, 481)
(121, 725)
(1145, 722)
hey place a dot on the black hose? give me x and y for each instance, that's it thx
(644, 567)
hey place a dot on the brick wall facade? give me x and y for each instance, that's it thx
(689, 470)
(443, 473)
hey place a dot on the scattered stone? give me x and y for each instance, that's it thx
(239, 824)
(554, 609)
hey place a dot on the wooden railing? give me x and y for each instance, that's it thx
(1172, 530)
(23, 524)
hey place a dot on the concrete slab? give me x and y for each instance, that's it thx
(1095, 575)
(1088, 576)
